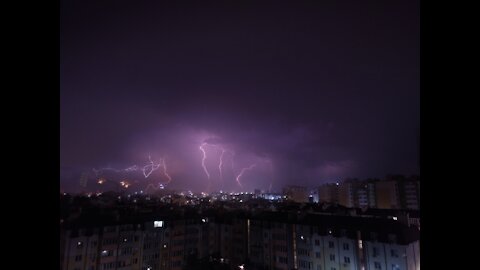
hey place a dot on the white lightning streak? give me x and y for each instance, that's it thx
(241, 173)
(165, 171)
(220, 165)
(203, 160)
(129, 169)
(152, 166)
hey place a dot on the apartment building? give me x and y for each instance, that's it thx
(264, 240)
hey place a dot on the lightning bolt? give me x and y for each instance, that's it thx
(165, 171)
(220, 165)
(153, 167)
(243, 171)
(129, 169)
(203, 159)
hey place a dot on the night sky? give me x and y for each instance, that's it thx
(306, 92)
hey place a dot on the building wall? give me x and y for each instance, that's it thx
(296, 193)
(266, 244)
(77, 250)
(413, 256)
(410, 195)
(328, 193)
(387, 196)
(345, 195)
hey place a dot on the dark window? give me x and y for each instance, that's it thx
(394, 253)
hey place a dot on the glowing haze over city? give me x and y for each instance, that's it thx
(203, 99)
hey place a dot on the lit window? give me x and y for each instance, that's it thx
(158, 224)
(395, 218)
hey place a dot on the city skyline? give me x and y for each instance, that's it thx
(238, 96)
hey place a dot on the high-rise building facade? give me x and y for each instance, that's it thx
(266, 240)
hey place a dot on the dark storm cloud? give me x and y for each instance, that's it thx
(323, 90)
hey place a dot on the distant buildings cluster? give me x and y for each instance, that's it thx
(394, 192)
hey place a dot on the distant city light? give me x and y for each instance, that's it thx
(395, 218)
